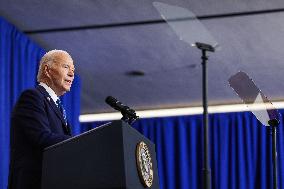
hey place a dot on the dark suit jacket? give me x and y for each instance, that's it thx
(36, 123)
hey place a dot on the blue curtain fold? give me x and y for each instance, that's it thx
(19, 58)
(240, 150)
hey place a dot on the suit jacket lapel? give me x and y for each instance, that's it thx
(53, 105)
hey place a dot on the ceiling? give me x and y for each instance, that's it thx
(123, 48)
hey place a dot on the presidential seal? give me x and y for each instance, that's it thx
(144, 164)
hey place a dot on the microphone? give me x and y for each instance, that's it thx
(114, 103)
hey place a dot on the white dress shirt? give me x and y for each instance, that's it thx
(51, 93)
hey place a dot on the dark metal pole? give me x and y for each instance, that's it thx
(274, 157)
(274, 123)
(206, 161)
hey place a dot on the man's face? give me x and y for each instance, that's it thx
(61, 74)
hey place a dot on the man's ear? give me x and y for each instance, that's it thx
(46, 70)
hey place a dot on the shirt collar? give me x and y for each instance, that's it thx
(50, 92)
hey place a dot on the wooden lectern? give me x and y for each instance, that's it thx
(108, 157)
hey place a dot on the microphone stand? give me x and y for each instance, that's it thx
(129, 117)
(274, 123)
(206, 162)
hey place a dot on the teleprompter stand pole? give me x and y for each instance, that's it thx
(274, 124)
(206, 161)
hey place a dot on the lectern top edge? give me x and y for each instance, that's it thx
(76, 137)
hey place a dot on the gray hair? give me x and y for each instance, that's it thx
(48, 59)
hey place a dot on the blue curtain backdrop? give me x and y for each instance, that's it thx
(240, 151)
(240, 145)
(19, 58)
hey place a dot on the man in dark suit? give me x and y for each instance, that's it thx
(38, 120)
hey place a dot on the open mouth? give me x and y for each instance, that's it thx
(68, 81)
